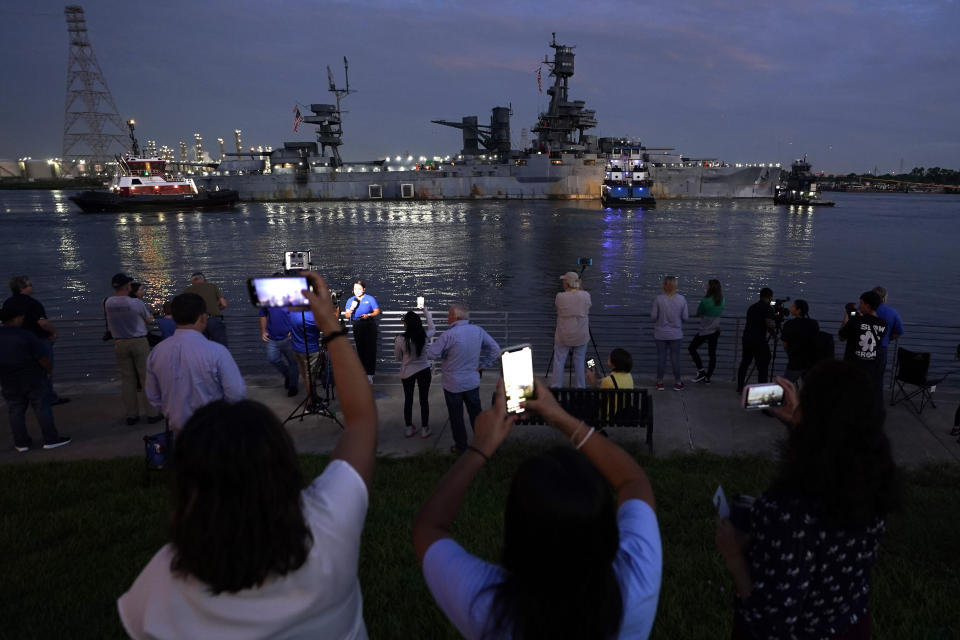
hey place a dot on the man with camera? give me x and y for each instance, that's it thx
(215, 303)
(187, 371)
(799, 338)
(760, 324)
(462, 350)
(127, 319)
(863, 332)
(573, 329)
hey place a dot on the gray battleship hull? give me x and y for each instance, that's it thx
(713, 182)
(574, 179)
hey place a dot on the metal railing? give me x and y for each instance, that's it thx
(82, 355)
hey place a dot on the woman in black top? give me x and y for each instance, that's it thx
(802, 565)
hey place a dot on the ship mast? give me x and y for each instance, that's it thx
(557, 125)
(328, 117)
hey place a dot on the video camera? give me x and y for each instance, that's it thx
(780, 312)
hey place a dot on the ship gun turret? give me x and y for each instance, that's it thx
(494, 137)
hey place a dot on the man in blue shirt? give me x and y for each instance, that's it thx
(362, 309)
(463, 350)
(187, 371)
(24, 367)
(275, 332)
(305, 341)
(894, 327)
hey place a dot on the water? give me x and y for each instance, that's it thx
(502, 255)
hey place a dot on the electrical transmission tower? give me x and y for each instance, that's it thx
(92, 128)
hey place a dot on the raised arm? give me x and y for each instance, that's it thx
(616, 465)
(431, 328)
(358, 442)
(437, 514)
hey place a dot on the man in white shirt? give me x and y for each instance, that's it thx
(128, 318)
(186, 371)
(573, 330)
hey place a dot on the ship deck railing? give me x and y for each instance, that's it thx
(82, 355)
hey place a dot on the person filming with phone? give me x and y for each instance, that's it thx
(577, 562)
(802, 553)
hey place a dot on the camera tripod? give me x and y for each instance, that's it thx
(313, 404)
(599, 360)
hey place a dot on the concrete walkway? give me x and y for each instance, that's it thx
(699, 418)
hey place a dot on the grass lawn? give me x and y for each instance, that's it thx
(73, 536)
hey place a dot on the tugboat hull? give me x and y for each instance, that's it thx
(106, 201)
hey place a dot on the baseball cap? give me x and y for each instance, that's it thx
(571, 278)
(120, 279)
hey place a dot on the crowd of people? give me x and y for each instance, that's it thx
(253, 553)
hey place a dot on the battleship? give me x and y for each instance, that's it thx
(562, 162)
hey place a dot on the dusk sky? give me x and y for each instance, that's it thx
(853, 84)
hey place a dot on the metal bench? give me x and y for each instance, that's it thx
(601, 408)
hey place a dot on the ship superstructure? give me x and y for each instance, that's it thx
(563, 162)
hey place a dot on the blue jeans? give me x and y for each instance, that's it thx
(455, 402)
(280, 355)
(673, 346)
(560, 360)
(216, 330)
(33, 393)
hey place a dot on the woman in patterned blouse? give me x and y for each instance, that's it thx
(802, 565)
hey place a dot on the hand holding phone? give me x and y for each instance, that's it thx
(516, 364)
(591, 364)
(419, 302)
(762, 396)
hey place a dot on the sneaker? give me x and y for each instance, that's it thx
(133, 421)
(659, 386)
(425, 432)
(59, 442)
(23, 448)
(701, 376)
(679, 386)
(410, 431)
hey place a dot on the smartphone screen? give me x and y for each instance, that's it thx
(285, 291)
(419, 302)
(762, 396)
(516, 364)
(591, 363)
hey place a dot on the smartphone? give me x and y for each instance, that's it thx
(591, 363)
(762, 396)
(281, 291)
(720, 502)
(419, 302)
(585, 262)
(516, 367)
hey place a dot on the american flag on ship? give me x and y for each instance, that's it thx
(297, 118)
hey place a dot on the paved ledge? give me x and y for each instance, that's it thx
(699, 418)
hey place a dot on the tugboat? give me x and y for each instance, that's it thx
(626, 181)
(800, 187)
(142, 183)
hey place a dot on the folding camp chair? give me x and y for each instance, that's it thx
(913, 371)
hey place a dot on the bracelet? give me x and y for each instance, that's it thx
(486, 458)
(585, 438)
(333, 336)
(573, 436)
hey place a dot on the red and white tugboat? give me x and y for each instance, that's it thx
(143, 183)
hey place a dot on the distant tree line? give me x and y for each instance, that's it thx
(932, 175)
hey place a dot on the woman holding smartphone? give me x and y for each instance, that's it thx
(801, 565)
(410, 349)
(709, 311)
(575, 564)
(361, 309)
